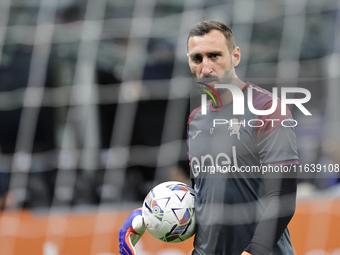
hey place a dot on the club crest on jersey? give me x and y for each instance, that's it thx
(235, 126)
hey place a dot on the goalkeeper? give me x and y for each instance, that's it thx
(238, 213)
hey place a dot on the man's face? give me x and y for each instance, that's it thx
(209, 58)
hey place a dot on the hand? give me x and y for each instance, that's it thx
(245, 253)
(131, 231)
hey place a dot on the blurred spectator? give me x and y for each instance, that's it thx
(181, 173)
(161, 62)
(14, 74)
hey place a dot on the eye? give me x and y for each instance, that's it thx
(196, 58)
(214, 55)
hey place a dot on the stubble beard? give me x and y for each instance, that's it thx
(212, 80)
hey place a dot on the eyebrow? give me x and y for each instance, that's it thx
(216, 52)
(208, 53)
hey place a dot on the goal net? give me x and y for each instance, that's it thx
(95, 98)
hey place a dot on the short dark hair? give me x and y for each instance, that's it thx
(204, 27)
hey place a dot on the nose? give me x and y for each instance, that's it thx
(206, 67)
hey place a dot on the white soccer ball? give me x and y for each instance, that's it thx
(169, 212)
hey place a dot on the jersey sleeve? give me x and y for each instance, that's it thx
(280, 210)
(191, 116)
(276, 140)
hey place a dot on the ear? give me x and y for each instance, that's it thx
(236, 56)
(188, 58)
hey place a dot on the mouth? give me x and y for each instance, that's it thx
(212, 83)
(209, 81)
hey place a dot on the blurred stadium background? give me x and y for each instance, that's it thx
(94, 100)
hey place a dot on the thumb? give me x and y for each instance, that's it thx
(139, 228)
(138, 224)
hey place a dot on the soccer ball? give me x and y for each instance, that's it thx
(169, 212)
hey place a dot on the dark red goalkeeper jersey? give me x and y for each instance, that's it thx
(238, 207)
